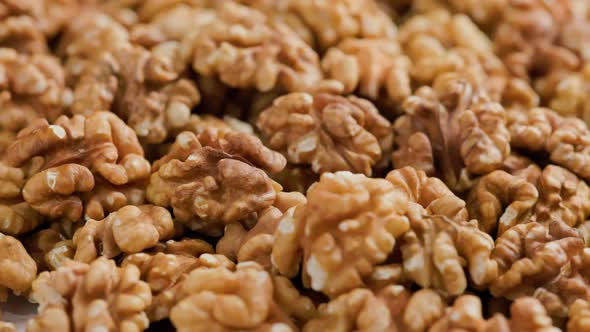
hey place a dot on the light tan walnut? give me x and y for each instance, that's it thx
(256, 244)
(75, 151)
(49, 15)
(391, 309)
(522, 167)
(96, 296)
(531, 255)
(569, 146)
(61, 252)
(51, 318)
(348, 226)
(226, 300)
(106, 198)
(373, 67)
(500, 200)
(529, 129)
(40, 243)
(129, 230)
(16, 215)
(244, 49)
(563, 196)
(453, 127)
(31, 87)
(21, 32)
(568, 95)
(17, 267)
(328, 132)
(333, 21)
(439, 42)
(211, 186)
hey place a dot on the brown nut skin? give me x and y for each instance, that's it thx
(579, 312)
(373, 67)
(244, 49)
(226, 300)
(18, 268)
(531, 256)
(207, 187)
(21, 32)
(16, 215)
(348, 226)
(51, 318)
(328, 132)
(129, 230)
(333, 21)
(500, 200)
(100, 295)
(462, 130)
(40, 243)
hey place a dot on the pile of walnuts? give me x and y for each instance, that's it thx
(296, 165)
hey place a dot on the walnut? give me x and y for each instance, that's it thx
(451, 130)
(131, 229)
(106, 198)
(61, 252)
(579, 312)
(563, 196)
(438, 42)
(222, 299)
(74, 152)
(348, 226)
(21, 32)
(568, 94)
(530, 129)
(296, 178)
(569, 146)
(211, 186)
(531, 260)
(18, 268)
(522, 167)
(329, 132)
(49, 15)
(332, 21)
(370, 66)
(246, 50)
(17, 215)
(40, 243)
(391, 309)
(500, 200)
(96, 296)
(256, 244)
(51, 318)
(186, 246)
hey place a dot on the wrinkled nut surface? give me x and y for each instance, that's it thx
(222, 299)
(131, 229)
(454, 125)
(246, 50)
(18, 268)
(208, 187)
(96, 296)
(349, 225)
(16, 215)
(328, 132)
(73, 152)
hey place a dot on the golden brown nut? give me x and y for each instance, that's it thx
(333, 21)
(95, 296)
(73, 152)
(211, 186)
(129, 230)
(16, 215)
(256, 244)
(529, 129)
(438, 42)
(226, 300)
(49, 15)
(455, 126)
(106, 197)
(569, 146)
(500, 200)
(391, 309)
(328, 132)
(579, 316)
(52, 318)
(246, 50)
(531, 256)
(563, 196)
(522, 167)
(40, 243)
(568, 96)
(17, 267)
(371, 66)
(348, 226)
(21, 32)
(31, 87)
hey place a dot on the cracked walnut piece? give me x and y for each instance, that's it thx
(245, 299)
(209, 186)
(349, 225)
(246, 50)
(99, 296)
(18, 268)
(329, 132)
(451, 130)
(16, 215)
(129, 230)
(74, 152)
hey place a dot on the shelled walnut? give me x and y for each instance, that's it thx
(99, 295)
(328, 132)
(452, 130)
(17, 215)
(18, 268)
(212, 181)
(71, 154)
